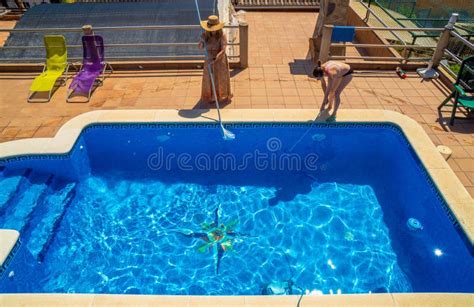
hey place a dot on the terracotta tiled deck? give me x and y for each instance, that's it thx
(277, 78)
(9, 24)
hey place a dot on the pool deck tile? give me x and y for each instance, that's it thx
(209, 301)
(272, 301)
(141, 300)
(358, 300)
(320, 300)
(127, 117)
(433, 299)
(9, 24)
(366, 300)
(46, 300)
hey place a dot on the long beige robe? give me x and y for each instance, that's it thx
(220, 69)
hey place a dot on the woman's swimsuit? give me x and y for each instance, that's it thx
(331, 64)
(348, 73)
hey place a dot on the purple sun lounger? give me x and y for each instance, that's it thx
(92, 69)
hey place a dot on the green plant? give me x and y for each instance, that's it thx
(455, 67)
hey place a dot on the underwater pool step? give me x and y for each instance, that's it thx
(17, 214)
(11, 185)
(43, 228)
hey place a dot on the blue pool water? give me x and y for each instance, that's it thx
(174, 209)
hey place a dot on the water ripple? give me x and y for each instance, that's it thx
(132, 237)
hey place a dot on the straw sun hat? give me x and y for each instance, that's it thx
(212, 24)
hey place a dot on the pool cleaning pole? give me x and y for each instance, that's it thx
(226, 133)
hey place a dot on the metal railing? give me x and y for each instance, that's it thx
(371, 11)
(463, 49)
(462, 29)
(419, 20)
(466, 43)
(326, 44)
(241, 57)
(440, 50)
(457, 44)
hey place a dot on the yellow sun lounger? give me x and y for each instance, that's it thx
(56, 65)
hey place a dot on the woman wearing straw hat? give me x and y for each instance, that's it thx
(214, 40)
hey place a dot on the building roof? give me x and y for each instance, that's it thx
(163, 12)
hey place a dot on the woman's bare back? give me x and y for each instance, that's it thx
(336, 69)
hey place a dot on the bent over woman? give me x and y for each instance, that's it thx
(339, 75)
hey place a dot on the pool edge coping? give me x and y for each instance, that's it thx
(363, 300)
(8, 240)
(450, 187)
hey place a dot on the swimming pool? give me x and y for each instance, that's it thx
(173, 209)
